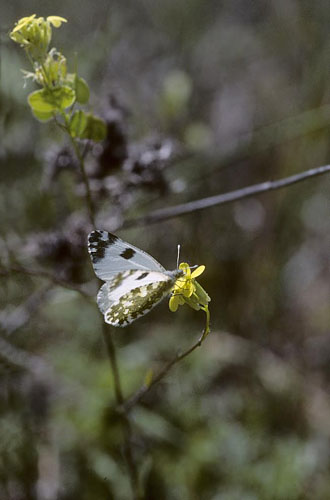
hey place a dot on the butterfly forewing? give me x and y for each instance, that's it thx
(111, 255)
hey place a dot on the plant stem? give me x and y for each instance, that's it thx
(107, 335)
(47, 86)
(89, 201)
(128, 451)
(140, 393)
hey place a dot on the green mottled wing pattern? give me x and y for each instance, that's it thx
(136, 302)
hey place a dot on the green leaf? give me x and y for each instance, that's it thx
(82, 90)
(40, 102)
(51, 100)
(43, 116)
(96, 129)
(63, 96)
(78, 124)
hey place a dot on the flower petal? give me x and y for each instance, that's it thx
(23, 22)
(56, 21)
(198, 271)
(189, 289)
(173, 303)
(185, 268)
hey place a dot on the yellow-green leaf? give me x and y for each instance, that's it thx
(49, 101)
(148, 377)
(63, 96)
(78, 123)
(82, 91)
(96, 129)
(41, 102)
(42, 116)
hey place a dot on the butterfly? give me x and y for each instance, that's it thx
(134, 281)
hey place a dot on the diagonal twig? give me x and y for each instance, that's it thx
(127, 405)
(6, 271)
(12, 320)
(23, 359)
(222, 199)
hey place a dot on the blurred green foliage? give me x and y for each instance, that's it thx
(200, 98)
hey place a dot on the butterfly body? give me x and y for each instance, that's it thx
(134, 281)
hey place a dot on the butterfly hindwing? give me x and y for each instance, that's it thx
(132, 294)
(111, 255)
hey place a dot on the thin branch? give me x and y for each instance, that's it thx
(80, 157)
(129, 456)
(89, 201)
(12, 320)
(222, 199)
(111, 350)
(41, 369)
(6, 271)
(22, 359)
(107, 334)
(140, 393)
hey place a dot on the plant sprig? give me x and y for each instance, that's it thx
(60, 90)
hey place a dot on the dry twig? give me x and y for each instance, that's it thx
(223, 199)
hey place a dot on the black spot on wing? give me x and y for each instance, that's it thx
(98, 242)
(98, 236)
(94, 237)
(98, 252)
(128, 253)
(143, 275)
(112, 238)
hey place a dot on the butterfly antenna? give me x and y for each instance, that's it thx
(178, 257)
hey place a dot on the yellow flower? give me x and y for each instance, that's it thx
(23, 22)
(56, 21)
(54, 68)
(187, 290)
(34, 34)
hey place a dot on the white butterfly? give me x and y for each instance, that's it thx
(134, 281)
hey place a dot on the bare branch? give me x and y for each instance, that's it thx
(22, 359)
(223, 199)
(12, 320)
(80, 158)
(140, 393)
(41, 273)
(128, 449)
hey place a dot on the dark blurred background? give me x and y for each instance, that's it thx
(200, 98)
